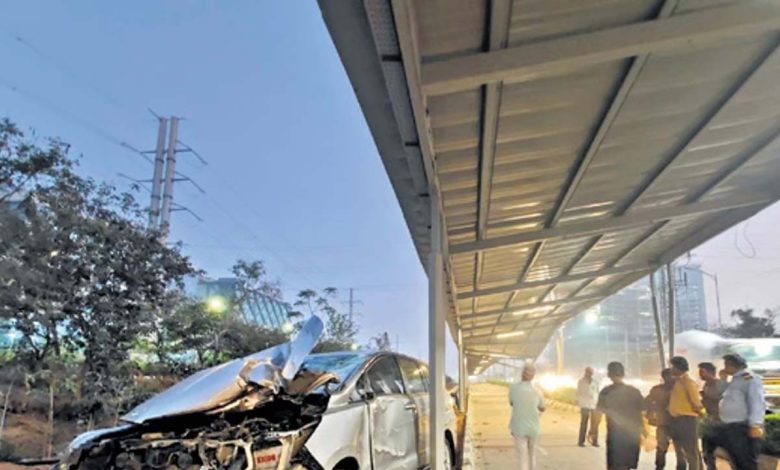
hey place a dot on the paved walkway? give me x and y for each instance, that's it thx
(493, 449)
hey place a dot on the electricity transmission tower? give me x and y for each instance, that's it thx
(352, 302)
(165, 175)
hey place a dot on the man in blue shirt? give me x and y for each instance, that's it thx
(741, 412)
(527, 405)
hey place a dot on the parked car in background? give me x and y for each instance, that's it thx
(281, 408)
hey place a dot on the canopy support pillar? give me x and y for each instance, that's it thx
(671, 300)
(462, 378)
(436, 324)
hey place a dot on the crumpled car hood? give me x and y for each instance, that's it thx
(219, 385)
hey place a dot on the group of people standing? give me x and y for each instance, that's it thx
(727, 412)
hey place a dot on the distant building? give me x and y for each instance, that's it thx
(620, 328)
(259, 309)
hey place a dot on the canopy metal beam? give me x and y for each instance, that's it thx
(527, 308)
(555, 280)
(720, 108)
(521, 63)
(601, 226)
(498, 25)
(518, 323)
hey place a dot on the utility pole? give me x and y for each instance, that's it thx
(657, 317)
(159, 162)
(170, 173)
(559, 351)
(671, 301)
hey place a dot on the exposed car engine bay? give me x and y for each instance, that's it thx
(254, 413)
(262, 438)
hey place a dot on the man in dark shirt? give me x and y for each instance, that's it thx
(656, 405)
(623, 405)
(711, 393)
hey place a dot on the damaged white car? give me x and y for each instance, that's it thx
(281, 408)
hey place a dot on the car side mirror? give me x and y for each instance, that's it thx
(368, 395)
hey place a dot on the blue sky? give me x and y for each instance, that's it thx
(293, 176)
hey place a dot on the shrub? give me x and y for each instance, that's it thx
(7, 451)
(502, 383)
(564, 394)
(771, 444)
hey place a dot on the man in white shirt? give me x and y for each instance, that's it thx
(587, 396)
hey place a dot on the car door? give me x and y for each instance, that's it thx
(392, 424)
(415, 376)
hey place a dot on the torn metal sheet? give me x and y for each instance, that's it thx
(251, 413)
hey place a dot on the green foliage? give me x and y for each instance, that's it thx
(96, 297)
(564, 394)
(749, 325)
(380, 342)
(340, 330)
(502, 383)
(252, 279)
(7, 451)
(190, 337)
(771, 444)
(80, 272)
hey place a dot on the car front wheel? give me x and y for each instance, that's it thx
(449, 454)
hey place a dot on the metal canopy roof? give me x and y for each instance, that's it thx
(575, 146)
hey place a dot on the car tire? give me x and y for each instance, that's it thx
(449, 454)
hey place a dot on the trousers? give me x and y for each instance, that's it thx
(526, 452)
(685, 437)
(586, 416)
(742, 449)
(664, 438)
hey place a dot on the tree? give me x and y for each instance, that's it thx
(751, 326)
(80, 272)
(212, 335)
(22, 162)
(340, 329)
(252, 279)
(380, 342)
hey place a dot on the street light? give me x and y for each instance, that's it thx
(216, 304)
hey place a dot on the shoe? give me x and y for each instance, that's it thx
(595, 444)
(581, 444)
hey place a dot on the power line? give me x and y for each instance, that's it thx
(67, 70)
(236, 221)
(108, 136)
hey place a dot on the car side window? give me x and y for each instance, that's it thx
(415, 375)
(383, 377)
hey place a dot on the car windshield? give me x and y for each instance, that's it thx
(341, 364)
(758, 351)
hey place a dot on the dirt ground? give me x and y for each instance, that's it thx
(28, 435)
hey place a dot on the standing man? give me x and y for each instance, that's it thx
(685, 408)
(657, 412)
(587, 396)
(742, 411)
(622, 404)
(527, 406)
(711, 393)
